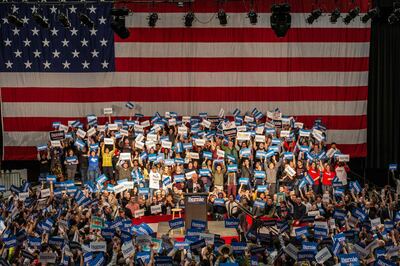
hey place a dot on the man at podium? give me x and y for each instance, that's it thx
(195, 185)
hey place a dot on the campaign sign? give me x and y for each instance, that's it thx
(323, 255)
(350, 259)
(393, 167)
(301, 231)
(127, 249)
(57, 135)
(198, 224)
(176, 223)
(309, 246)
(238, 247)
(231, 223)
(305, 255)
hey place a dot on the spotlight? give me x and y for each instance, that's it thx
(335, 15)
(118, 22)
(153, 17)
(13, 19)
(189, 18)
(64, 20)
(40, 20)
(118, 26)
(315, 14)
(222, 17)
(119, 12)
(395, 16)
(86, 20)
(280, 19)
(252, 17)
(372, 13)
(352, 15)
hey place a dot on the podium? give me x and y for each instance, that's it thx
(195, 208)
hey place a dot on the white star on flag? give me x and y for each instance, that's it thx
(74, 32)
(35, 31)
(28, 64)
(7, 42)
(46, 64)
(103, 42)
(18, 53)
(56, 54)
(84, 42)
(37, 53)
(45, 42)
(104, 64)
(66, 64)
(9, 64)
(102, 20)
(85, 64)
(75, 53)
(94, 53)
(27, 42)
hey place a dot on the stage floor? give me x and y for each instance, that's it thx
(214, 227)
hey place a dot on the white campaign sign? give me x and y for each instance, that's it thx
(98, 246)
(285, 133)
(243, 136)
(260, 138)
(155, 209)
(125, 156)
(44, 193)
(200, 142)
(166, 144)
(139, 145)
(323, 255)
(91, 132)
(206, 123)
(139, 213)
(112, 126)
(119, 188)
(139, 138)
(108, 141)
(127, 249)
(55, 143)
(80, 133)
(194, 155)
(182, 130)
(123, 132)
(290, 170)
(220, 153)
(108, 111)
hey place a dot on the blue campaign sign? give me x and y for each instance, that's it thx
(231, 223)
(176, 223)
(238, 247)
(309, 246)
(339, 237)
(198, 224)
(350, 259)
(301, 231)
(306, 255)
(393, 166)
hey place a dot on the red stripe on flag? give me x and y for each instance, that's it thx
(304, 6)
(169, 94)
(29, 153)
(246, 35)
(15, 124)
(241, 64)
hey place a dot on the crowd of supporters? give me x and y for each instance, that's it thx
(96, 179)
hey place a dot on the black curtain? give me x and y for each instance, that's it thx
(384, 94)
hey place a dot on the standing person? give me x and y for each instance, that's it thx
(272, 172)
(93, 165)
(315, 175)
(232, 184)
(44, 161)
(327, 177)
(83, 164)
(71, 164)
(124, 169)
(107, 164)
(218, 176)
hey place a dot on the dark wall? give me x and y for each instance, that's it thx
(384, 94)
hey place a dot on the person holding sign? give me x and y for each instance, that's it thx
(218, 173)
(71, 163)
(124, 169)
(314, 172)
(93, 164)
(107, 156)
(327, 177)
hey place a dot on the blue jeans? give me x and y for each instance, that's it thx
(93, 174)
(84, 175)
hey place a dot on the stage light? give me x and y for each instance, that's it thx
(13, 19)
(372, 13)
(335, 15)
(64, 20)
(395, 16)
(223, 19)
(86, 20)
(351, 15)
(119, 12)
(118, 22)
(153, 17)
(40, 20)
(189, 18)
(252, 17)
(315, 14)
(280, 19)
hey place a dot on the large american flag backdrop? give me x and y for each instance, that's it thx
(63, 74)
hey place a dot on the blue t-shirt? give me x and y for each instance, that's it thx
(93, 163)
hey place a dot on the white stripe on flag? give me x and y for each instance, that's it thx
(32, 138)
(184, 79)
(297, 108)
(238, 49)
(236, 20)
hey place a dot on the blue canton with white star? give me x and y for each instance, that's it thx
(57, 49)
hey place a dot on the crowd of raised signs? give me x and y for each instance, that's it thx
(282, 172)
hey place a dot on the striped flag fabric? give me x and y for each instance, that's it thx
(317, 71)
